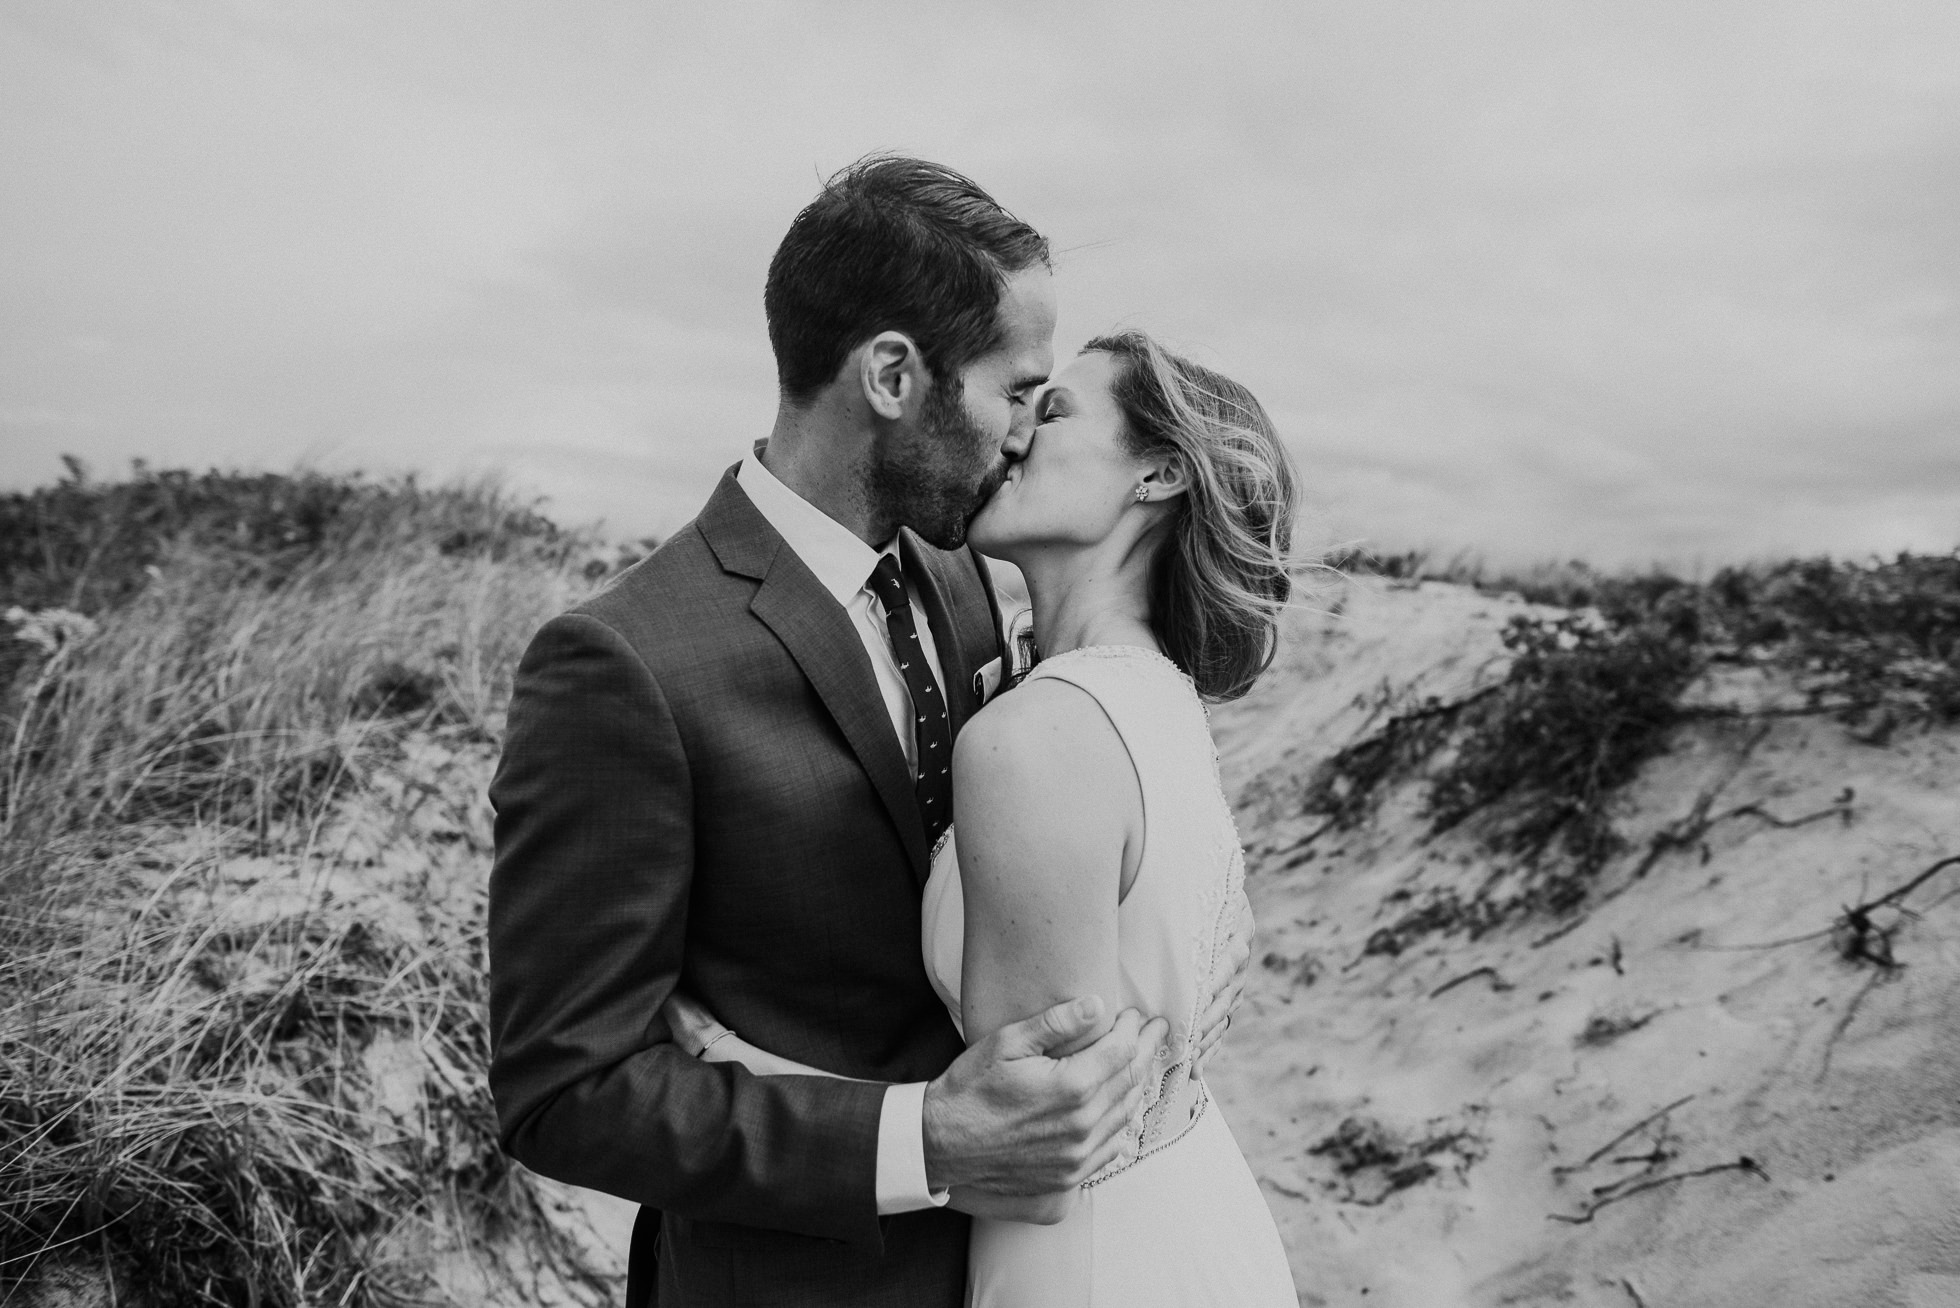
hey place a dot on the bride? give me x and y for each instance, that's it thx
(1095, 851)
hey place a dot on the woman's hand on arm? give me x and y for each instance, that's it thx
(696, 1030)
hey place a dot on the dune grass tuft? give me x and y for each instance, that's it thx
(229, 1089)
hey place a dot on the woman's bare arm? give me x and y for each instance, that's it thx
(1051, 821)
(1050, 818)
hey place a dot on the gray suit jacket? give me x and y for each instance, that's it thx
(700, 787)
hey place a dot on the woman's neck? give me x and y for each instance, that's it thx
(1080, 599)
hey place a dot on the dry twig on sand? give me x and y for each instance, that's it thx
(1844, 1022)
(1890, 899)
(1497, 983)
(1613, 1194)
(1689, 831)
(1622, 1137)
(1859, 937)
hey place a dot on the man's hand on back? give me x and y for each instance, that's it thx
(1008, 1117)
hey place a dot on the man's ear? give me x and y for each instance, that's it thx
(892, 375)
(1164, 476)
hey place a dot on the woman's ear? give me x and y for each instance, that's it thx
(891, 374)
(1164, 478)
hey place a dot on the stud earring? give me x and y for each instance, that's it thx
(1143, 492)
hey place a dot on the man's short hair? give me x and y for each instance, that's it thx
(892, 244)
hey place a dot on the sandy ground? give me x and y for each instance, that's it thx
(1654, 1103)
(1523, 1136)
(1526, 1135)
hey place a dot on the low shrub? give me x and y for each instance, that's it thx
(84, 544)
(1593, 693)
(1583, 706)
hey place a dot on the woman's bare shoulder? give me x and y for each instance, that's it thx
(1047, 744)
(1045, 712)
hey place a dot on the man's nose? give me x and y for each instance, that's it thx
(1020, 435)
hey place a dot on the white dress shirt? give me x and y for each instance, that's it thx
(843, 564)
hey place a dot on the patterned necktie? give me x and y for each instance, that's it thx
(932, 729)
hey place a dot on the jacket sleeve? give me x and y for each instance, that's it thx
(588, 915)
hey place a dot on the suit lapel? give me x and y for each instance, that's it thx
(818, 635)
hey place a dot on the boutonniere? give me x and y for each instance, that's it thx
(986, 682)
(1006, 672)
(1021, 652)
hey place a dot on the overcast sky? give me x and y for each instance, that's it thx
(1665, 280)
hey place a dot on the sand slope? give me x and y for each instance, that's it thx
(1420, 1121)
(1855, 1123)
(1477, 1114)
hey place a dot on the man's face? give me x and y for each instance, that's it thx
(935, 477)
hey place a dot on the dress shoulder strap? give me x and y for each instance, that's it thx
(1096, 668)
(1150, 702)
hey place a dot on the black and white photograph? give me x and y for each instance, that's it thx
(1247, 655)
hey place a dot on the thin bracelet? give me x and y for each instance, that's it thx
(723, 1034)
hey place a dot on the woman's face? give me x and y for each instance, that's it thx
(1076, 479)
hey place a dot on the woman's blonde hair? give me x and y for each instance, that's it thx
(1218, 584)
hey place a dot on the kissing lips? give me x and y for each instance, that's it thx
(992, 482)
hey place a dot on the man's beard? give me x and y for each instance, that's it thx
(910, 485)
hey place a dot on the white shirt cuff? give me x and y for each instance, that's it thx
(902, 1152)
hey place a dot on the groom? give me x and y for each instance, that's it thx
(726, 772)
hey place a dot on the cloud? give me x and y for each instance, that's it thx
(1666, 281)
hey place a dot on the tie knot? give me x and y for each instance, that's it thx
(888, 584)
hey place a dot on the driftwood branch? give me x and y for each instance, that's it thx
(1623, 1136)
(1844, 1022)
(1891, 897)
(1861, 939)
(1726, 713)
(1840, 808)
(1742, 1164)
(1770, 944)
(1682, 833)
(1692, 829)
(1559, 933)
(1497, 982)
(1437, 708)
(1303, 843)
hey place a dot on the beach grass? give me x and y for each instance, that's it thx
(245, 722)
(257, 1087)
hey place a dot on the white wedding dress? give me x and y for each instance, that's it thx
(1184, 1225)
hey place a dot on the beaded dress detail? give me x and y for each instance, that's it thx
(1183, 1222)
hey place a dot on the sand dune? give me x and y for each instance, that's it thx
(1519, 1119)
(1683, 1095)
(1514, 1119)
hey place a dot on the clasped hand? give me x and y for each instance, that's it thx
(1028, 1114)
(1010, 1118)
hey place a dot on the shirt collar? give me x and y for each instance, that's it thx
(841, 562)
